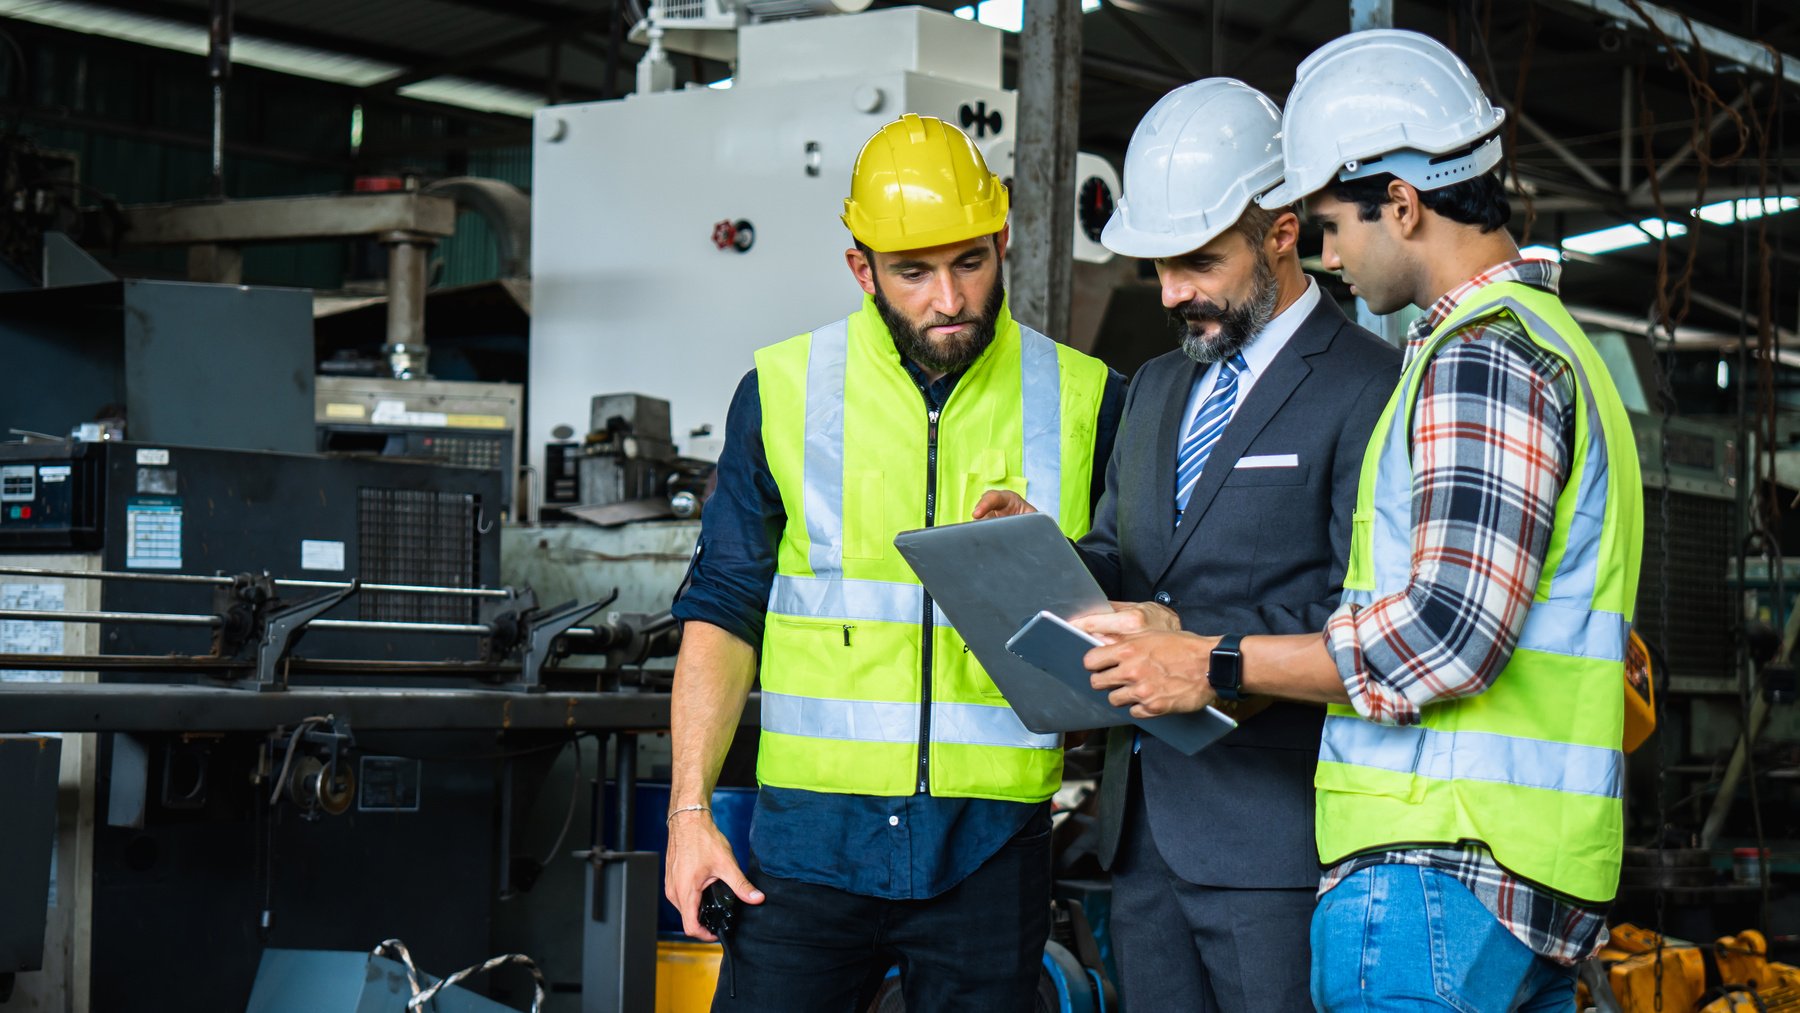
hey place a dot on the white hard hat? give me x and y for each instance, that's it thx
(1384, 101)
(1196, 160)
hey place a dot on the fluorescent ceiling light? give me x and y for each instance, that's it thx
(1726, 212)
(1538, 252)
(1620, 237)
(1007, 15)
(267, 54)
(477, 95)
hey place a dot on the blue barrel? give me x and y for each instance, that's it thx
(732, 809)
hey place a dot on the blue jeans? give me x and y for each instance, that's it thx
(1395, 938)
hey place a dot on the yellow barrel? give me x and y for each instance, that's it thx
(686, 974)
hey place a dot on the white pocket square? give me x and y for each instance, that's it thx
(1270, 461)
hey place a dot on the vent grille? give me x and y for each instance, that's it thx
(418, 537)
(1698, 639)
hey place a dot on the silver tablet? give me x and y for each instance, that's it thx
(1060, 650)
(988, 579)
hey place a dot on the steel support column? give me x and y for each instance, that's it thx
(1366, 14)
(1043, 217)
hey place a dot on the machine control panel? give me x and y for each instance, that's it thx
(36, 497)
(18, 483)
(46, 503)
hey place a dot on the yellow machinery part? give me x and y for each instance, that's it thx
(1756, 985)
(1633, 979)
(1640, 694)
(686, 974)
(1741, 959)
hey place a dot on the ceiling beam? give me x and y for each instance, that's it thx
(1685, 31)
(275, 31)
(466, 61)
(533, 10)
(1673, 200)
(1557, 148)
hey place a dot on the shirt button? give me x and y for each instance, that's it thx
(893, 821)
(1163, 598)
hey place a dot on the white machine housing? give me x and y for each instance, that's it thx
(630, 290)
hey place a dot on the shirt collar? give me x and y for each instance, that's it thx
(936, 391)
(1269, 341)
(1544, 274)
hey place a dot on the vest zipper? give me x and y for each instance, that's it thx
(931, 441)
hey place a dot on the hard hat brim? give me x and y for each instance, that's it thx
(1126, 241)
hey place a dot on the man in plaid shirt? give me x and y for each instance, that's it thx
(1469, 787)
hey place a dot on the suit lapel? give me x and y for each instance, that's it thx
(1272, 391)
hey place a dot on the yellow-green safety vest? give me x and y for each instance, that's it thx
(866, 689)
(1532, 768)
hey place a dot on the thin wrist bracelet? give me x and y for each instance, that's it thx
(687, 809)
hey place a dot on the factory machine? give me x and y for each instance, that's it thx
(302, 715)
(662, 282)
(474, 425)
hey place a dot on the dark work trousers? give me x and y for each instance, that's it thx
(977, 947)
(1203, 949)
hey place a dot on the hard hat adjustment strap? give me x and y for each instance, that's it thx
(1426, 171)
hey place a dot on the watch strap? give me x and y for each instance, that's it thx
(1230, 688)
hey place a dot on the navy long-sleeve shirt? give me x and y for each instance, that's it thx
(904, 847)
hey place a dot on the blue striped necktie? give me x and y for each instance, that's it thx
(1203, 434)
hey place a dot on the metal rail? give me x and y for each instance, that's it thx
(219, 581)
(127, 707)
(194, 619)
(150, 618)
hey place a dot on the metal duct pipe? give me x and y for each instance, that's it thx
(505, 208)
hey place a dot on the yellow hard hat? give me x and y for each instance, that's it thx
(921, 182)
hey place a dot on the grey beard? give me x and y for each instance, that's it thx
(1238, 325)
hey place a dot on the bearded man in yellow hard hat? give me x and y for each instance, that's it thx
(903, 816)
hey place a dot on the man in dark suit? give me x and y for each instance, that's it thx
(1227, 507)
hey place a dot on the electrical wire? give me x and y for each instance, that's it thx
(1673, 298)
(575, 783)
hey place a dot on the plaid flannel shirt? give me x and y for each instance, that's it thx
(1492, 438)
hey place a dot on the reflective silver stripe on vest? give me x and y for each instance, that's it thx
(873, 721)
(1040, 391)
(1474, 756)
(822, 471)
(839, 598)
(1566, 623)
(1555, 628)
(855, 720)
(974, 724)
(1579, 572)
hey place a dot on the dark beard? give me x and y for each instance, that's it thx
(1237, 324)
(942, 357)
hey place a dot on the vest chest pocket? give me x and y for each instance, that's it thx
(826, 631)
(866, 530)
(827, 657)
(987, 471)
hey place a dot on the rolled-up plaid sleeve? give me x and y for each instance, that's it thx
(1491, 444)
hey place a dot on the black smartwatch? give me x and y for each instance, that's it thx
(1227, 671)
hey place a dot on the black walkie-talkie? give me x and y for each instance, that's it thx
(718, 909)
